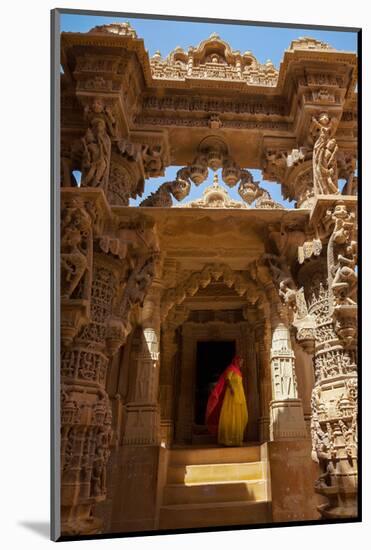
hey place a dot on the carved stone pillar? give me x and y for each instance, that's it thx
(246, 349)
(186, 385)
(86, 412)
(142, 411)
(169, 349)
(286, 411)
(334, 402)
(263, 339)
(141, 457)
(305, 379)
(95, 321)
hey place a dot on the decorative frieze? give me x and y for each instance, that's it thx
(144, 120)
(215, 105)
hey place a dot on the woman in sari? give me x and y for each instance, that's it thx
(226, 412)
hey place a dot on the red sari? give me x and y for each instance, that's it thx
(215, 401)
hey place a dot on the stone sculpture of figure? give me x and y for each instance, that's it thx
(348, 436)
(96, 144)
(287, 293)
(328, 169)
(341, 257)
(138, 283)
(129, 150)
(283, 279)
(98, 111)
(279, 269)
(75, 228)
(96, 152)
(295, 300)
(143, 279)
(344, 284)
(324, 157)
(93, 162)
(102, 451)
(98, 473)
(152, 160)
(179, 188)
(323, 452)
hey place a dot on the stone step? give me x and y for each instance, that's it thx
(215, 492)
(180, 516)
(209, 473)
(214, 455)
(204, 439)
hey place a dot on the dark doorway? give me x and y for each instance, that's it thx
(212, 358)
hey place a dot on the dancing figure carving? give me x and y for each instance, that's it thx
(75, 230)
(324, 157)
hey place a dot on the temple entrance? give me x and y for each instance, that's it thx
(208, 340)
(212, 358)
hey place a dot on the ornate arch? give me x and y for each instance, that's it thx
(240, 281)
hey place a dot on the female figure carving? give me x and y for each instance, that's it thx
(324, 157)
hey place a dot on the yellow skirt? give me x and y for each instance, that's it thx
(233, 415)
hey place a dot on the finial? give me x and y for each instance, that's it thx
(215, 180)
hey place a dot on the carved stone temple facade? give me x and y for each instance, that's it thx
(146, 290)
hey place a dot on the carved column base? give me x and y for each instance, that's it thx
(79, 521)
(339, 505)
(134, 500)
(341, 491)
(293, 495)
(287, 420)
(142, 424)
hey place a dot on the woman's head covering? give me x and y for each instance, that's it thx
(236, 362)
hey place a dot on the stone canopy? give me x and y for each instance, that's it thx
(261, 113)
